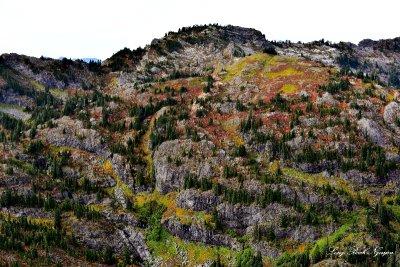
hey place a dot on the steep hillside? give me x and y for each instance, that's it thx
(209, 147)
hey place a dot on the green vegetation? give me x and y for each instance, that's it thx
(250, 124)
(142, 112)
(173, 45)
(12, 80)
(247, 258)
(190, 181)
(150, 213)
(119, 61)
(24, 236)
(210, 81)
(164, 129)
(15, 126)
(265, 118)
(334, 87)
(9, 199)
(280, 103)
(270, 50)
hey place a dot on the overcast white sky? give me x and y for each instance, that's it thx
(99, 28)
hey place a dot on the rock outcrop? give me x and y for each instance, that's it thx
(391, 112)
(197, 233)
(99, 237)
(194, 200)
(175, 159)
(250, 215)
(71, 133)
(372, 130)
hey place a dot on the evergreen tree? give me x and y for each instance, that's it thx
(215, 218)
(270, 235)
(126, 256)
(246, 258)
(370, 224)
(257, 233)
(217, 262)
(383, 213)
(108, 257)
(57, 220)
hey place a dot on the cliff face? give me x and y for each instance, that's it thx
(379, 59)
(391, 45)
(210, 145)
(52, 73)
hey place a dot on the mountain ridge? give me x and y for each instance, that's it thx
(210, 146)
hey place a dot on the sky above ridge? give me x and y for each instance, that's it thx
(99, 28)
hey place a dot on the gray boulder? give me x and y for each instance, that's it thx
(391, 112)
(372, 130)
(326, 98)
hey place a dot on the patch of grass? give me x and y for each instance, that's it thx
(396, 211)
(58, 92)
(55, 149)
(27, 167)
(38, 85)
(188, 216)
(9, 106)
(14, 110)
(332, 239)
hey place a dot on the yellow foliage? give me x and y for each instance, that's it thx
(146, 149)
(318, 179)
(168, 200)
(196, 254)
(302, 248)
(231, 130)
(113, 83)
(288, 89)
(108, 168)
(286, 72)
(41, 221)
(275, 168)
(237, 68)
(390, 97)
